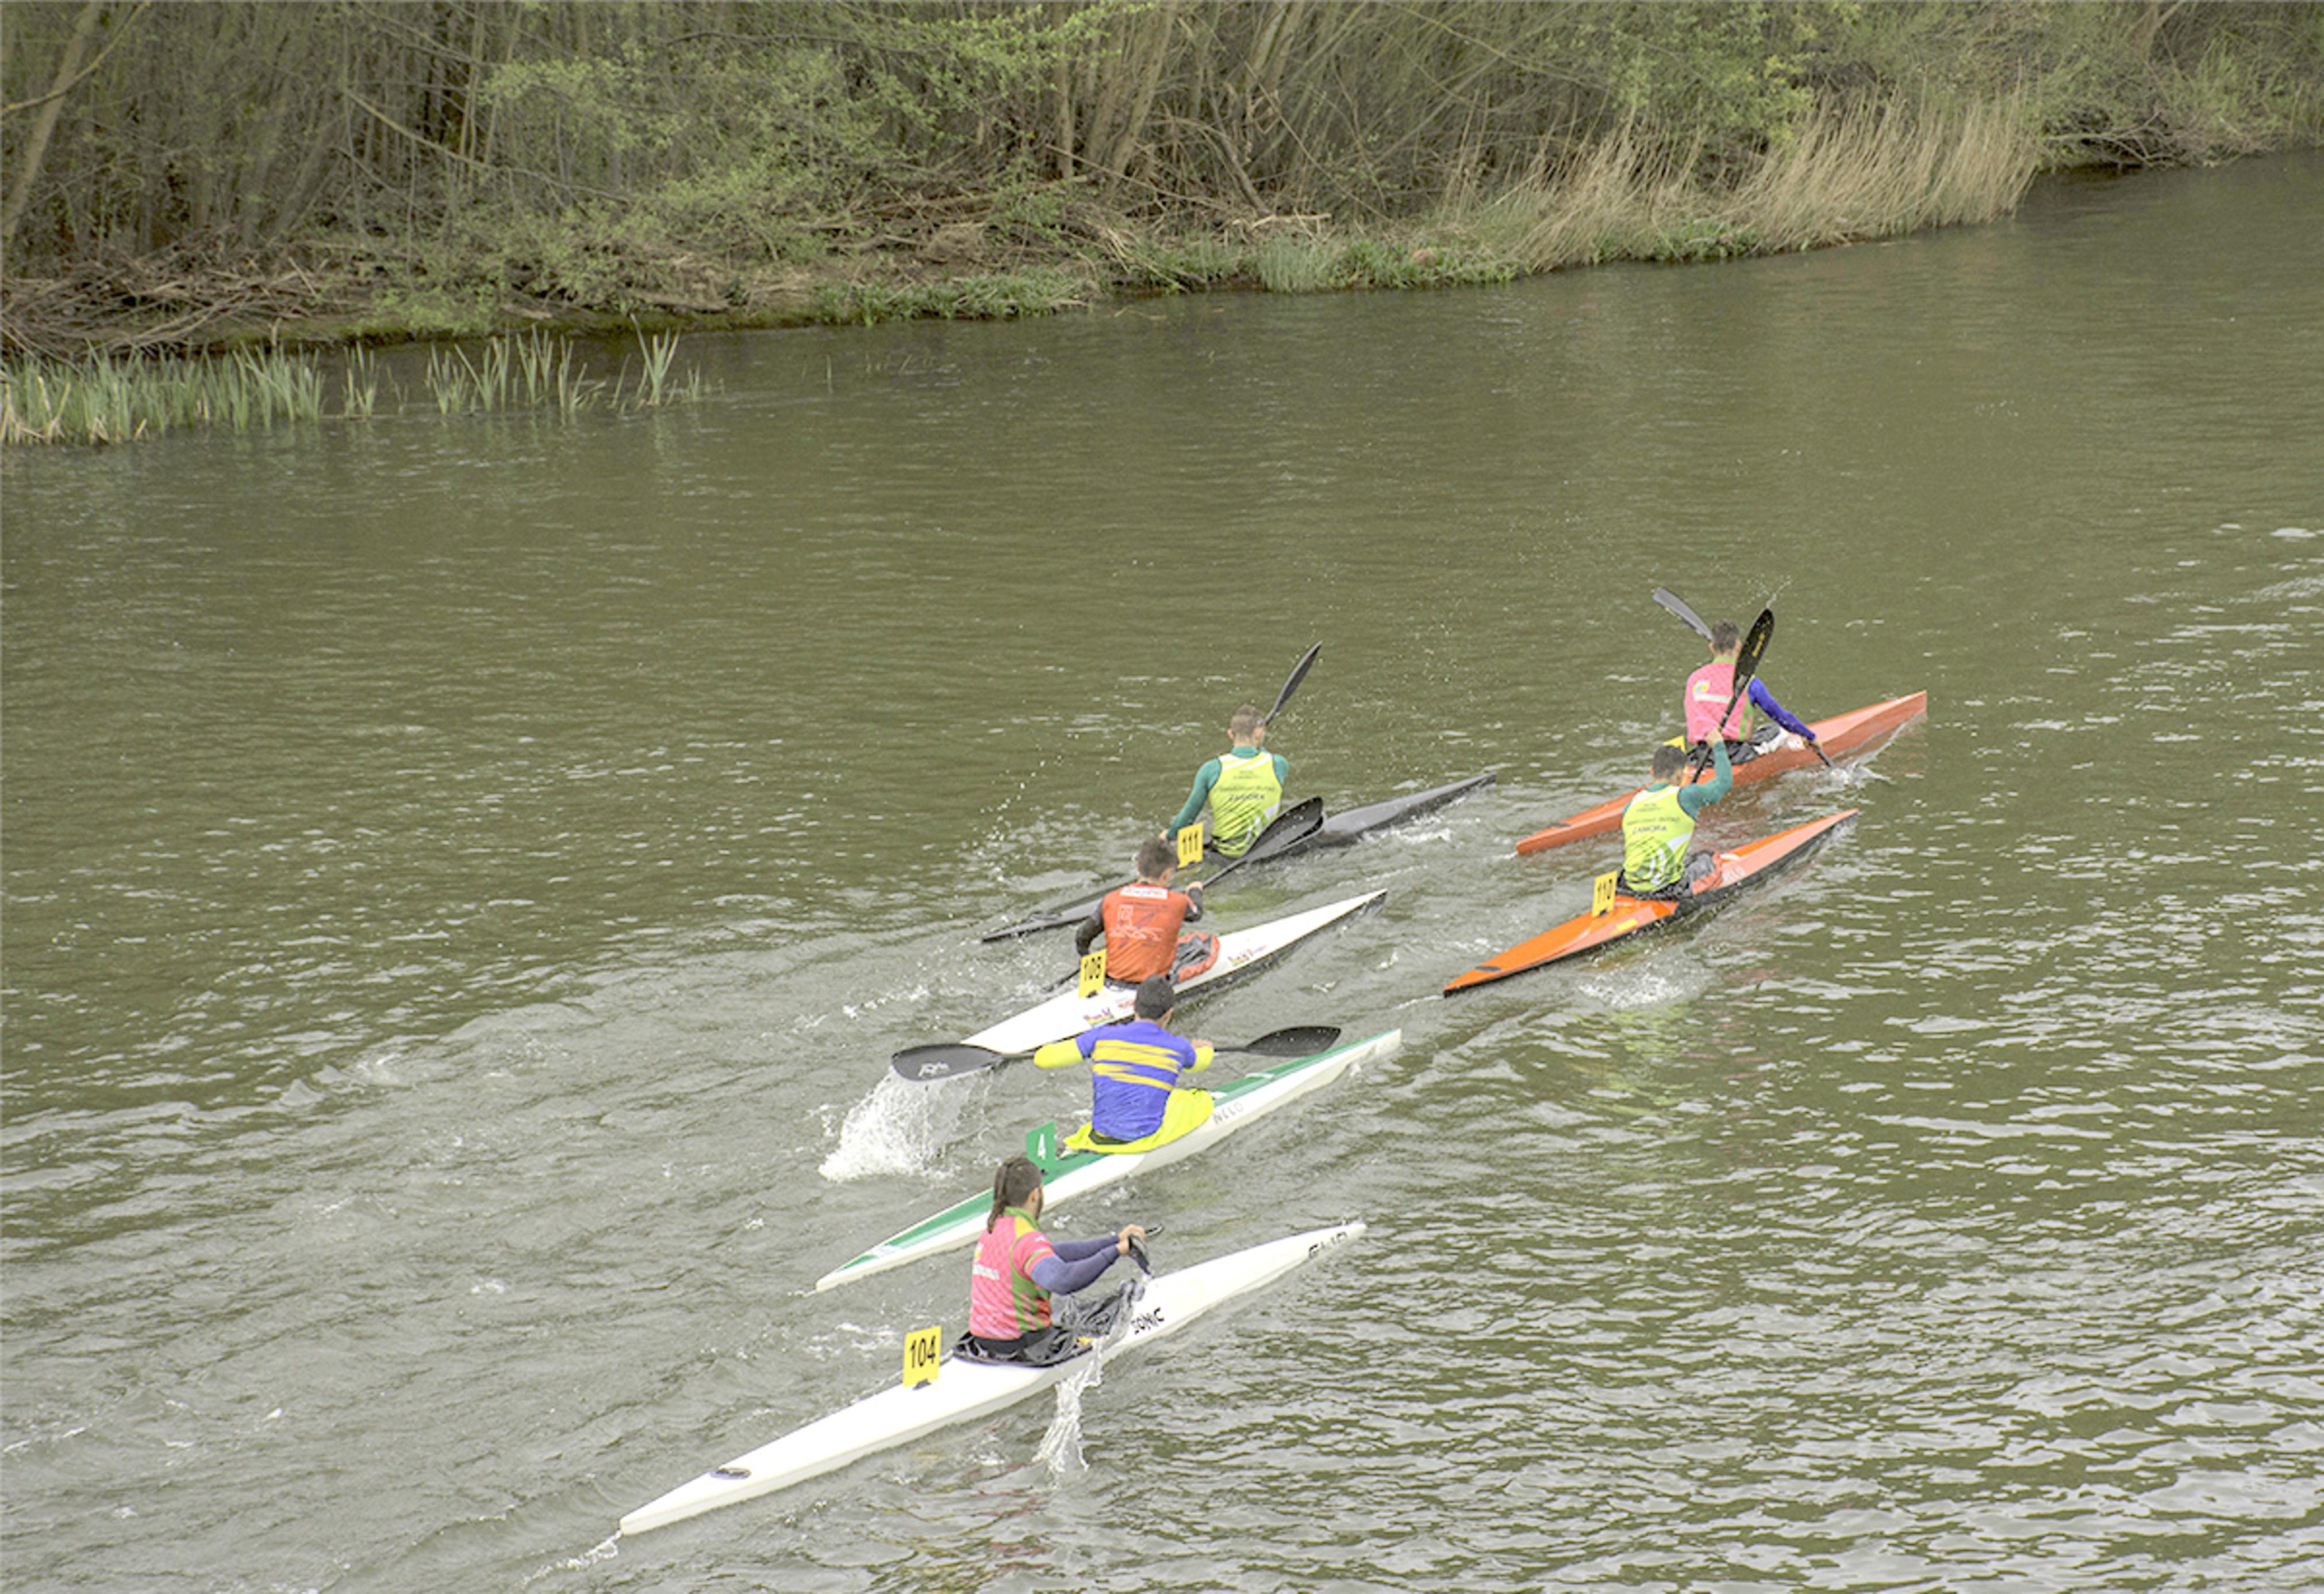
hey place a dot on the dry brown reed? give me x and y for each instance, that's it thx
(1846, 173)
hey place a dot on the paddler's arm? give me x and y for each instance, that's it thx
(1206, 778)
(1064, 1054)
(1085, 933)
(1076, 1264)
(1203, 1056)
(1695, 797)
(1194, 896)
(1764, 701)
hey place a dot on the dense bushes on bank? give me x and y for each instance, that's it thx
(176, 169)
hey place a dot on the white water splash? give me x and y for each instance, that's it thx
(1060, 1448)
(597, 1554)
(899, 1128)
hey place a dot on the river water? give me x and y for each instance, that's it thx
(464, 879)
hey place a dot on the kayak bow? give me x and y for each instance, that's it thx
(1337, 830)
(1860, 732)
(1076, 1173)
(1630, 914)
(962, 1390)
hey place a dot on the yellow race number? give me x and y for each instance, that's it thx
(1602, 895)
(1190, 846)
(1092, 977)
(923, 1353)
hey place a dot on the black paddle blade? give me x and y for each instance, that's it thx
(1303, 1040)
(923, 1065)
(1753, 647)
(1747, 664)
(1298, 674)
(1677, 605)
(1294, 823)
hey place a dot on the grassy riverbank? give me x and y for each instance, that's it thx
(462, 168)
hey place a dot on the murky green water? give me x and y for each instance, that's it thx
(464, 879)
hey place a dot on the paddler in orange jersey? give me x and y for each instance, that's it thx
(1140, 924)
(1018, 1270)
(1710, 688)
(1658, 823)
(1139, 1099)
(1243, 787)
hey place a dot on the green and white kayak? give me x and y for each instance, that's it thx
(962, 1390)
(1074, 1173)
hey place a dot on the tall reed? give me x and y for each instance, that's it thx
(107, 398)
(110, 398)
(1846, 173)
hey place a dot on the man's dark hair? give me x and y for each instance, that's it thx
(1156, 996)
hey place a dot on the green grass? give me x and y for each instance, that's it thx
(110, 398)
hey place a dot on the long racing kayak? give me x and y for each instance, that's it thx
(1076, 1173)
(1627, 915)
(1241, 952)
(962, 1390)
(1861, 731)
(1337, 830)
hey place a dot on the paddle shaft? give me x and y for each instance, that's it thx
(1300, 1040)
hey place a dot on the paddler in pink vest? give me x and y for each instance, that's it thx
(1708, 690)
(1017, 1269)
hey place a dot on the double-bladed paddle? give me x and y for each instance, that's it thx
(1747, 664)
(1677, 605)
(927, 1064)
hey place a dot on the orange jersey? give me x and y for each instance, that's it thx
(1141, 930)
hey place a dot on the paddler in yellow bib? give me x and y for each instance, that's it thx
(1658, 824)
(1243, 787)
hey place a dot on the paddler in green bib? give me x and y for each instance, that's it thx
(1243, 787)
(1658, 823)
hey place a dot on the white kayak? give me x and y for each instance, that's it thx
(1239, 951)
(1076, 1173)
(962, 1390)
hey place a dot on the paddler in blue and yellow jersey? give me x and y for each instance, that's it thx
(1138, 1097)
(1243, 787)
(1658, 823)
(1710, 689)
(1018, 1270)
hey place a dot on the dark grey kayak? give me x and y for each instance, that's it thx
(1296, 830)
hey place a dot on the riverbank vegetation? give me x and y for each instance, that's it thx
(182, 177)
(104, 397)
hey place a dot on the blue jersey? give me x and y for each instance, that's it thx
(1134, 1067)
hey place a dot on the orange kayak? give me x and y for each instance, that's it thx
(1630, 914)
(1861, 731)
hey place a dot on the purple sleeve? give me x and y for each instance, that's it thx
(1765, 702)
(1074, 1264)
